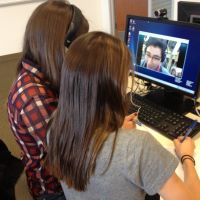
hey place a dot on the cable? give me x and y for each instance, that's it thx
(144, 90)
(195, 107)
(132, 93)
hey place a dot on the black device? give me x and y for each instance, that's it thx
(172, 100)
(74, 25)
(161, 13)
(181, 54)
(189, 11)
(169, 123)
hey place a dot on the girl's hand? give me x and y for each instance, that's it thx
(184, 148)
(129, 121)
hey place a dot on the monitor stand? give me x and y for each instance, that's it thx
(172, 100)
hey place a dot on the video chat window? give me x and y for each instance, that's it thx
(162, 54)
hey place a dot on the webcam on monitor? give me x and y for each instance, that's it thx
(161, 13)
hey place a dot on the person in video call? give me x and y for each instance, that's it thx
(90, 150)
(155, 55)
(34, 94)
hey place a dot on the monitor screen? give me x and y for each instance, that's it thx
(189, 11)
(165, 52)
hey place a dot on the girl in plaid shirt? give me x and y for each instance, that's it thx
(34, 95)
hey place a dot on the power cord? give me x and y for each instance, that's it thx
(195, 107)
(132, 93)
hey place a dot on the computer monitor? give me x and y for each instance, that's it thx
(165, 52)
(189, 11)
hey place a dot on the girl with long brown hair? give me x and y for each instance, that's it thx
(33, 97)
(90, 150)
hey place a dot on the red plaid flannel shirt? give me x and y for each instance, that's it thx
(30, 105)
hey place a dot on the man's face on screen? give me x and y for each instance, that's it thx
(153, 57)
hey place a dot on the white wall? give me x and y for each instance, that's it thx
(13, 21)
(97, 12)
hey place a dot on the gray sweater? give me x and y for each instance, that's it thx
(139, 165)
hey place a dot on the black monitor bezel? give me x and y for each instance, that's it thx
(188, 5)
(158, 20)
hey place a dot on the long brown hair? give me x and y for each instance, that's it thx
(92, 104)
(45, 35)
